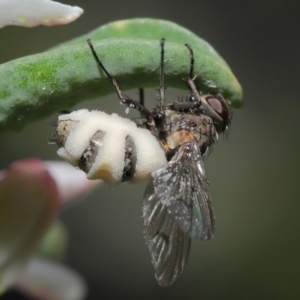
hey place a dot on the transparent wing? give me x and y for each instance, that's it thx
(168, 245)
(182, 186)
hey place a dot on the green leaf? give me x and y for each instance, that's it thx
(36, 86)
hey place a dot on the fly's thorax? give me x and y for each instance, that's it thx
(180, 128)
(108, 147)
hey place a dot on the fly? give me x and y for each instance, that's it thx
(177, 205)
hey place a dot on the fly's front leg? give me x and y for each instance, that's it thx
(195, 96)
(124, 99)
(213, 106)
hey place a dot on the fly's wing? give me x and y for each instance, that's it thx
(168, 245)
(182, 186)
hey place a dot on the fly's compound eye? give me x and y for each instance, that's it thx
(220, 108)
(219, 105)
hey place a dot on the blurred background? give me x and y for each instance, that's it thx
(254, 175)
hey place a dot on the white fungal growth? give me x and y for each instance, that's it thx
(75, 136)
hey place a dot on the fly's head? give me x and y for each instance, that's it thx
(213, 106)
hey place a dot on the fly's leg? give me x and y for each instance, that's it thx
(195, 96)
(142, 122)
(161, 80)
(208, 108)
(124, 99)
(158, 113)
(141, 96)
(162, 76)
(192, 62)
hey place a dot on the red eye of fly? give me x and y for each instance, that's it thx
(219, 105)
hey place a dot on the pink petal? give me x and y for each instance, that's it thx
(72, 183)
(31, 194)
(29, 202)
(51, 281)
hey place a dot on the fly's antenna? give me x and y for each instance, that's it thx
(161, 76)
(124, 99)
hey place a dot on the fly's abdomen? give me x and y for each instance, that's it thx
(108, 147)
